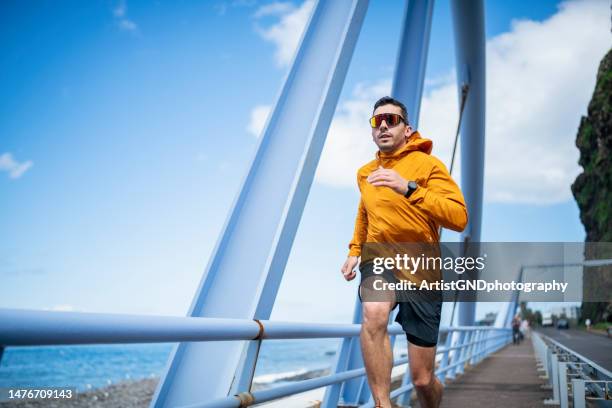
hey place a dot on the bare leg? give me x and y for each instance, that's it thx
(376, 350)
(427, 386)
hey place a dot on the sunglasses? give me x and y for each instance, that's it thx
(392, 119)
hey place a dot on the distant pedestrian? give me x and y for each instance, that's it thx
(587, 322)
(516, 332)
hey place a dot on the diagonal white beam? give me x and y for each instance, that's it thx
(245, 270)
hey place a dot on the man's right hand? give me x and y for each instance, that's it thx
(349, 266)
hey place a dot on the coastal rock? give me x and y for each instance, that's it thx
(593, 190)
(126, 394)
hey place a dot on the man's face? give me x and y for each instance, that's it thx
(390, 139)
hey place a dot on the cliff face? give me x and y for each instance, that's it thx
(593, 188)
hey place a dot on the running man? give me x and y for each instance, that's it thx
(406, 195)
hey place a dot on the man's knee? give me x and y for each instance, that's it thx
(375, 315)
(422, 378)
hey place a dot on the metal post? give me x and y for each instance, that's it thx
(549, 365)
(468, 23)
(444, 362)
(411, 59)
(453, 355)
(481, 346)
(348, 358)
(485, 342)
(466, 338)
(563, 397)
(249, 259)
(459, 353)
(578, 390)
(474, 347)
(555, 381)
(404, 399)
(541, 354)
(477, 347)
(546, 356)
(513, 304)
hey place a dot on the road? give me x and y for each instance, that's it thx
(595, 347)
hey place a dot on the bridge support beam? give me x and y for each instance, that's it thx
(411, 62)
(468, 22)
(407, 87)
(247, 265)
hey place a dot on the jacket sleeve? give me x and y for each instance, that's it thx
(361, 231)
(442, 200)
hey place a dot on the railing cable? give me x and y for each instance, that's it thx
(465, 89)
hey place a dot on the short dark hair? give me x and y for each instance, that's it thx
(387, 100)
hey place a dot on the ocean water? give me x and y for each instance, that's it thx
(87, 367)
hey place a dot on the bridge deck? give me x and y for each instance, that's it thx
(507, 378)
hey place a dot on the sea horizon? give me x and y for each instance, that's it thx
(87, 367)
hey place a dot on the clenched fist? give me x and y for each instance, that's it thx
(382, 177)
(349, 266)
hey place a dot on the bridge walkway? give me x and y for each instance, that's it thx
(508, 378)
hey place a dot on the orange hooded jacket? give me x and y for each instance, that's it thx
(385, 216)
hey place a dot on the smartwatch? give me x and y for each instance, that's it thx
(412, 186)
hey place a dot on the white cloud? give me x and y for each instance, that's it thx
(349, 142)
(259, 115)
(61, 308)
(12, 166)
(120, 14)
(274, 9)
(540, 78)
(286, 33)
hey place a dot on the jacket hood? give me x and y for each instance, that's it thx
(415, 143)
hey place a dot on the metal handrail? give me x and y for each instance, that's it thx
(306, 385)
(31, 327)
(290, 389)
(564, 367)
(580, 357)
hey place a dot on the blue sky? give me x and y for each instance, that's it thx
(126, 128)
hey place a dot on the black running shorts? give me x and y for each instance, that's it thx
(420, 319)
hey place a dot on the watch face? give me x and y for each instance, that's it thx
(412, 185)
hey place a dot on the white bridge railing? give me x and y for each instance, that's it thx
(571, 376)
(28, 328)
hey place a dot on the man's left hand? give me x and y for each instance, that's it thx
(382, 177)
